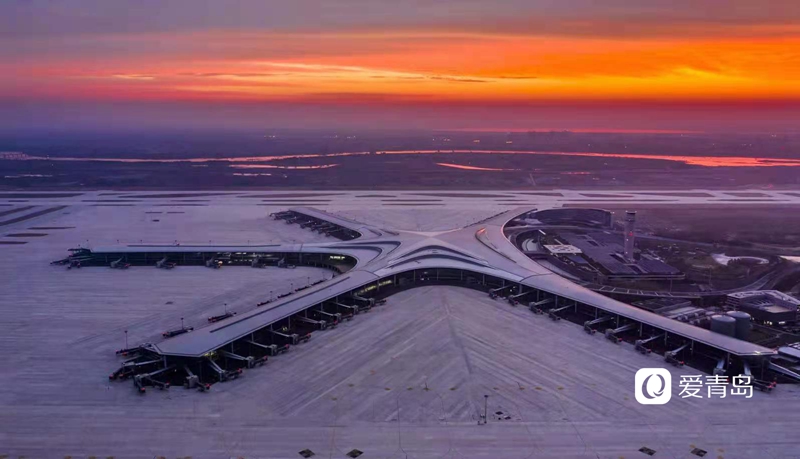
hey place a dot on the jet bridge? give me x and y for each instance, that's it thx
(313, 323)
(518, 297)
(641, 344)
(267, 349)
(588, 326)
(364, 304)
(672, 357)
(164, 263)
(246, 361)
(612, 334)
(536, 306)
(120, 264)
(322, 222)
(331, 319)
(136, 366)
(346, 311)
(553, 313)
(221, 374)
(498, 292)
(140, 381)
(286, 338)
(794, 375)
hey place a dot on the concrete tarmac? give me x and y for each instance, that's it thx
(406, 380)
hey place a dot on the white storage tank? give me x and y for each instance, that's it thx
(742, 329)
(724, 325)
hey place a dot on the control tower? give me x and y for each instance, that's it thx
(630, 229)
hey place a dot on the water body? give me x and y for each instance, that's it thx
(706, 161)
(184, 166)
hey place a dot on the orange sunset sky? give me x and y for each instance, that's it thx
(480, 64)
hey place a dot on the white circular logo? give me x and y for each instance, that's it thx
(653, 386)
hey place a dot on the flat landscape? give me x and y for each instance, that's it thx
(406, 380)
(302, 160)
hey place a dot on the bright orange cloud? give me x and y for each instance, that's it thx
(419, 66)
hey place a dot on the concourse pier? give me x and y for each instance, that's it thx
(378, 263)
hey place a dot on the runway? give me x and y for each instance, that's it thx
(401, 199)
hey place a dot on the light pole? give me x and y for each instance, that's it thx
(126, 339)
(182, 323)
(485, 408)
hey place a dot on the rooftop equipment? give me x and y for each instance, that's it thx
(724, 325)
(742, 329)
